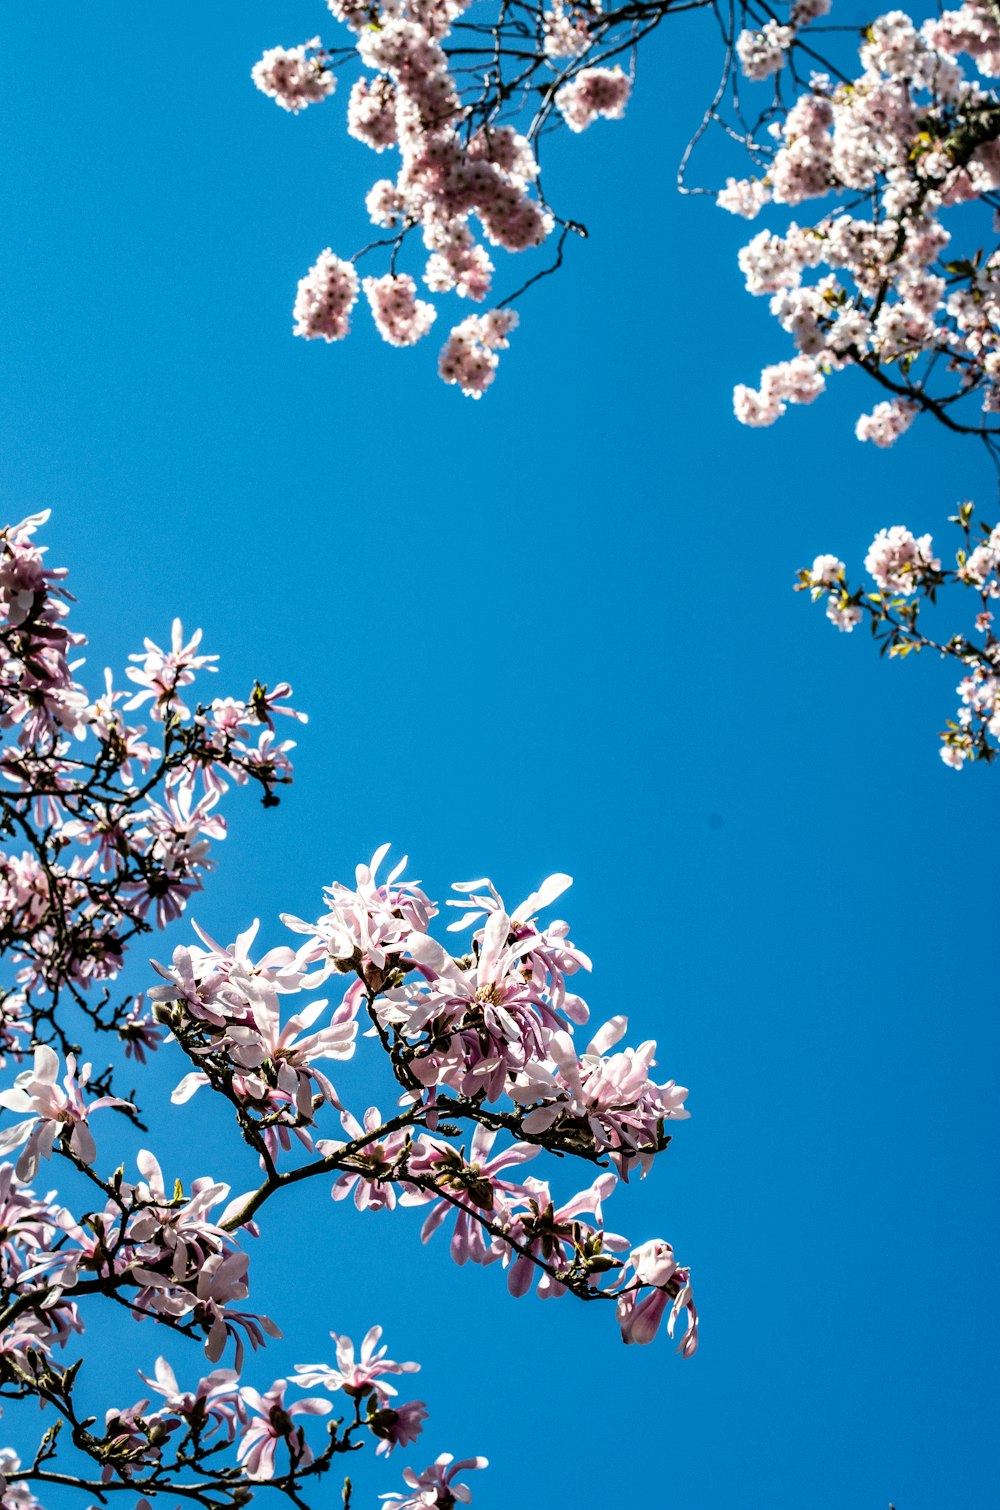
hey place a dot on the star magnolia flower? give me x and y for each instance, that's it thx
(16, 1496)
(260, 1439)
(653, 1264)
(397, 1426)
(214, 1400)
(52, 1110)
(371, 1190)
(475, 905)
(551, 956)
(550, 1233)
(439, 1159)
(373, 921)
(623, 1106)
(434, 1489)
(355, 1377)
(161, 672)
(493, 982)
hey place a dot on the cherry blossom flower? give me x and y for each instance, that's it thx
(906, 137)
(326, 296)
(887, 422)
(294, 77)
(591, 94)
(762, 52)
(400, 316)
(566, 36)
(469, 357)
(898, 560)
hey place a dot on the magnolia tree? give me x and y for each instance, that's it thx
(894, 273)
(488, 1066)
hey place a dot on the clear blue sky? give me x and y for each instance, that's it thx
(551, 630)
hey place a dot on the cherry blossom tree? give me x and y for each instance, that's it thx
(897, 133)
(896, 276)
(484, 1042)
(908, 150)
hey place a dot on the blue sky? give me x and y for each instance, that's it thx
(551, 630)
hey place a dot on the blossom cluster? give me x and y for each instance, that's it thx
(483, 1038)
(874, 282)
(467, 183)
(901, 142)
(112, 831)
(909, 578)
(294, 77)
(487, 1036)
(181, 1265)
(593, 93)
(171, 1257)
(485, 1068)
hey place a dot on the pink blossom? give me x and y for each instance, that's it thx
(639, 1316)
(396, 1425)
(762, 52)
(355, 1376)
(551, 1234)
(477, 1183)
(899, 561)
(435, 1487)
(566, 36)
(161, 673)
(294, 76)
(374, 1189)
(400, 316)
(842, 613)
(745, 196)
(826, 571)
(266, 701)
(469, 357)
(591, 94)
(271, 1423)
(796, 382)
(213, 1404)
(371, 113)
(496, 1029)
(886, 423)
(222, 1280)
(16, 1496)
(366, 927)
(326, 296)
(612, 1095)
(53, 1111)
